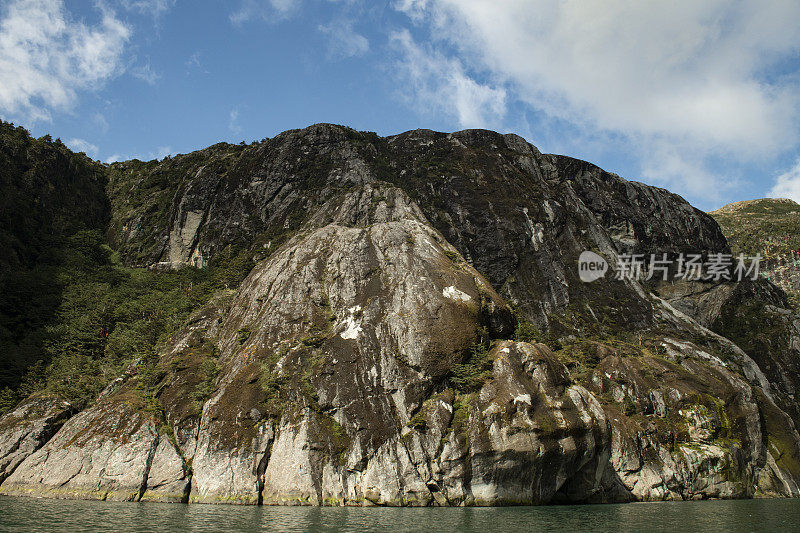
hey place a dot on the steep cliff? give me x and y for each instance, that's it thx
(412, 330)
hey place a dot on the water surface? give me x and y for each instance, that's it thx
(30, 514)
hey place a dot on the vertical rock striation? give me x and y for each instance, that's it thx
(414, 332)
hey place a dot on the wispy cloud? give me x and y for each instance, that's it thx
(46, 57)
(195, 64)
(681, 77)
(163, 151)
(160, 153)
(268, 10)
(80, 145)
(154, 8)
(787, 185)
(435, 82)
(145, 73)
(99, 121)
(233, 121)
(343, 40)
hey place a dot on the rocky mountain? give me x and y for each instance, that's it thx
(770, 227)
(330, 317)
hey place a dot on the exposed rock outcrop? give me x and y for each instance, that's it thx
(27, 428)
(414, 332)
(111, 451)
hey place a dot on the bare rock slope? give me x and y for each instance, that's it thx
(414, 332)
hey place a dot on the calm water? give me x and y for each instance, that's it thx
(26, 514)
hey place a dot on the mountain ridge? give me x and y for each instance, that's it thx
(768, 227)
(330, 317)
(755, 203)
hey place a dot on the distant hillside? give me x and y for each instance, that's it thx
(771, 227)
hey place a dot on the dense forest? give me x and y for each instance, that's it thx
(72, 317)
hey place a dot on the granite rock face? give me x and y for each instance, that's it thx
(27, 428)
(111, 451)
(414, 332)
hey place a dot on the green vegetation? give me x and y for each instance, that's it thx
(48, 196)
(291, 388)
(420, 419)
(335, 434)
(142, 192)
(242, 335)
(271, 383)
(452, 256)
(475, 370)
(758, 329)
(462, 406)
(316, 336)
(72, 316)
(753, 327)
(209, 369)
(581, 357)
(148, 377)
(781, 442)
(767, 226)
(527, 331)
(108, 318)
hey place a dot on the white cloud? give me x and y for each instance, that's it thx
(100, 123)
(343, 40)
(163, 151)
(233, 121)
(194, 64)
(160, 153)
(145, 73)
(154, 8)
(675, 76)
(80, 145)
(683, 168)
(787, 185)
(436, 83)
(46, 57)
(418, 10)
(268, 10)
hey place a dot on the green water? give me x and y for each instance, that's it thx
(28, 514)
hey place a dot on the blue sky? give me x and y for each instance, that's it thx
(699, 97)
